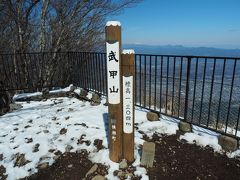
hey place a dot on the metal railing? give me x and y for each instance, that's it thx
(204, 91)
(34, 71)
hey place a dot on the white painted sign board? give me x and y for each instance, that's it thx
(128, 104)
(113, 72)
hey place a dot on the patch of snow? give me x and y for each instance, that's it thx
(164, 126)
(128, 51)
(202, 139)
(67, 89)
(113, 23)
(24, 95)
(234, 154)
(42, 122)
(77, 91)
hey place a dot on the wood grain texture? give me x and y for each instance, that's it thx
(113, 34)
(128, 69)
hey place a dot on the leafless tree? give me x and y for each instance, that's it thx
(54, 26)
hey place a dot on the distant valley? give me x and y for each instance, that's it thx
(182, 50)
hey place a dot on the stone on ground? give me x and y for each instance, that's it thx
(72, 88)
(43, 166)
(227, 143)
(185, 127)
(151, 116)
(96, 98)
(83, 94)
(14, 107)
(148, 154)
(123, 164)
(98, 177)
(92, 170)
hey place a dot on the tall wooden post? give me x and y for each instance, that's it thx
(113, 45)
(128, 74)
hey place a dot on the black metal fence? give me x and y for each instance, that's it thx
(204, 91)
(34, 71)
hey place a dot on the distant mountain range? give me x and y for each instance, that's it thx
(182, 50)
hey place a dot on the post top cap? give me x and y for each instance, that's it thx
(128, 51)
(113, 23)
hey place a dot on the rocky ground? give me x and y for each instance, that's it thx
(66, 138)
(174, 159)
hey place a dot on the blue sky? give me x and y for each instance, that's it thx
(208, 23)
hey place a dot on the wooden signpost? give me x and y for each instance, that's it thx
(120, 78)
(113, 47)
(128, 104)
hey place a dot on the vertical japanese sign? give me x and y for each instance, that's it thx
(128, 104)
(113, 68)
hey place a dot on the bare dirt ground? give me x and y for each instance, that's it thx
(174, 159)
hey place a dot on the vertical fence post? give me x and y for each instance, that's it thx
(114, 89)
(187, 88)
(128, 75)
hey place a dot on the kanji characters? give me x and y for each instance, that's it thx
(112, 56)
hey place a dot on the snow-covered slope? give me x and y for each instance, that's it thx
(57, 125)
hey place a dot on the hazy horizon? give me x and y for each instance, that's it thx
(198, 23)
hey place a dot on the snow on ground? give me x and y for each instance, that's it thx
(59, 123)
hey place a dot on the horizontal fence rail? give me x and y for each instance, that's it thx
(204, 91)
(32, 71)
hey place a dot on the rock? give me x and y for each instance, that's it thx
(58, 153)
(20, 160)
(96, 98)
(94, 103)
(1, 157)
(98, 177)
(54, 118)
(148, 154)
(98, 144)
(43, 166)
(72, 88)
(151, 116)
(129, 175)
(121, 175)
(35, 148)
(92, 170)
(28, 140)
(46, 131)
(83, 94)
(185, 127)
(51, 150)
(82, 151)
(70, 166)
(123, 164)
(70, 109)
(5, 101)
(44, 157)
(124, 175)
(56, 157)
(115, 173)
(63, 131)
(227, 143)
(28, 126)
(45, 91)
(36, 98)
(68, 148)
(88, 143)
(14, 107)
